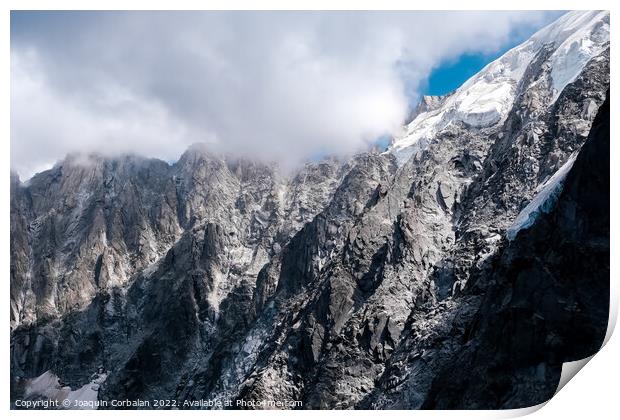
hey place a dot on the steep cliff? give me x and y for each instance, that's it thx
(448, 271)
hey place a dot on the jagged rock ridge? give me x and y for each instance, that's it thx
(368, 283)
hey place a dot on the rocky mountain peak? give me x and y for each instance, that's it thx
(385, 281)
(560, 52)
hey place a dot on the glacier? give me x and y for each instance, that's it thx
(486, 98)
(543, 202)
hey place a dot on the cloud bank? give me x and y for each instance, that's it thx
(281, 86)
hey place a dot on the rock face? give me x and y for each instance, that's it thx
(404, 279)
(542, 300)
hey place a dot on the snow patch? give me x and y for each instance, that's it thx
(486, 98)
(571, 56)
(48, 386)
(543, 202)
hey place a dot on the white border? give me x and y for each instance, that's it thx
(592, 395)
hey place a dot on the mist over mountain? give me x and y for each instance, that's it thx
(457, 269)
(269, 86)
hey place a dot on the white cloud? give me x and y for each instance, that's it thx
(274, 85)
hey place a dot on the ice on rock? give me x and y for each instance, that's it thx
(487, 97)
(578, 48)
(331, 285)
(485, 103)
(543, 201)
(48, 385)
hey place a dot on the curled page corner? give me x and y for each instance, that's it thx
(519, 412)
(569, 370)
(329, 243)
(613, 312)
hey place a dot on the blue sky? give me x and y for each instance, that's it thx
(452, 73)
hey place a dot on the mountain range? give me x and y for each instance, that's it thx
(457, 269)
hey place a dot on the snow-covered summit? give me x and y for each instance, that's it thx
(485, 99)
